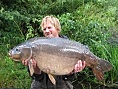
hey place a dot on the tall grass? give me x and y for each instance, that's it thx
(113, 75)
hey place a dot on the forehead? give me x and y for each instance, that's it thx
(47, 24)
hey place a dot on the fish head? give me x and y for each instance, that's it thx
(20, 53)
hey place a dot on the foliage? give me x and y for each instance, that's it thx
(82, 25)
(13, 75)
(91, 22)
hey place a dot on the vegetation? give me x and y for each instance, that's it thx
(92, 22)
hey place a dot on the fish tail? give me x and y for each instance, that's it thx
(104, 65)
(100, 68)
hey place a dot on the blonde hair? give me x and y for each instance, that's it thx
(53, 20)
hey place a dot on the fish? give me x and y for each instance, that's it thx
(58, 56)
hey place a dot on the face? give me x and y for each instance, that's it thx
(49, 30)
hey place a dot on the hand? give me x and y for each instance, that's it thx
(79, 66)
(25, 62)
(36, 69)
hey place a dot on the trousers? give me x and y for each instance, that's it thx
(48, 85)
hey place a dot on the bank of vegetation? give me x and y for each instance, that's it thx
(92, 22)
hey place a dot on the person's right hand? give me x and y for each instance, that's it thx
(36, 69)
(25, 62)
(33, 62)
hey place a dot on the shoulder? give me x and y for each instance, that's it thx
(63, 36)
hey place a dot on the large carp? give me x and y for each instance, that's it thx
(58, 56)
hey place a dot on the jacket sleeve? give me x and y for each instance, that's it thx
(63, 36)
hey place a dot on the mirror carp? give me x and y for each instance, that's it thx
(58, 56)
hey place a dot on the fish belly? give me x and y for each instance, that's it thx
(56, 65)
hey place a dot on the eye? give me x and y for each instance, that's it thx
(17, 50)
(49, 27)
(44, 29)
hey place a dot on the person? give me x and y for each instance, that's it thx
(51, 27)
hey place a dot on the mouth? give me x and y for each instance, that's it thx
(48, 34)
(10, 54)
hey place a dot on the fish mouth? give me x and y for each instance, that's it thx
(10, 54)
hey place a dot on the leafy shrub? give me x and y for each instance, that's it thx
(90, 22)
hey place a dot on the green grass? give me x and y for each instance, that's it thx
(13, 74)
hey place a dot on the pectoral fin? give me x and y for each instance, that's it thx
(51, 77)
(31, 67)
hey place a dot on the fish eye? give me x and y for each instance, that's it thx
(17, 50)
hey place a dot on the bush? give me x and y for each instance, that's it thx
(90, 22)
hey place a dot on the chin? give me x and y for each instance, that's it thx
(49, 36)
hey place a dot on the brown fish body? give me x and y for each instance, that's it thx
(58, 56)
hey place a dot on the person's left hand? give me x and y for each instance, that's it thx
(79, 66)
